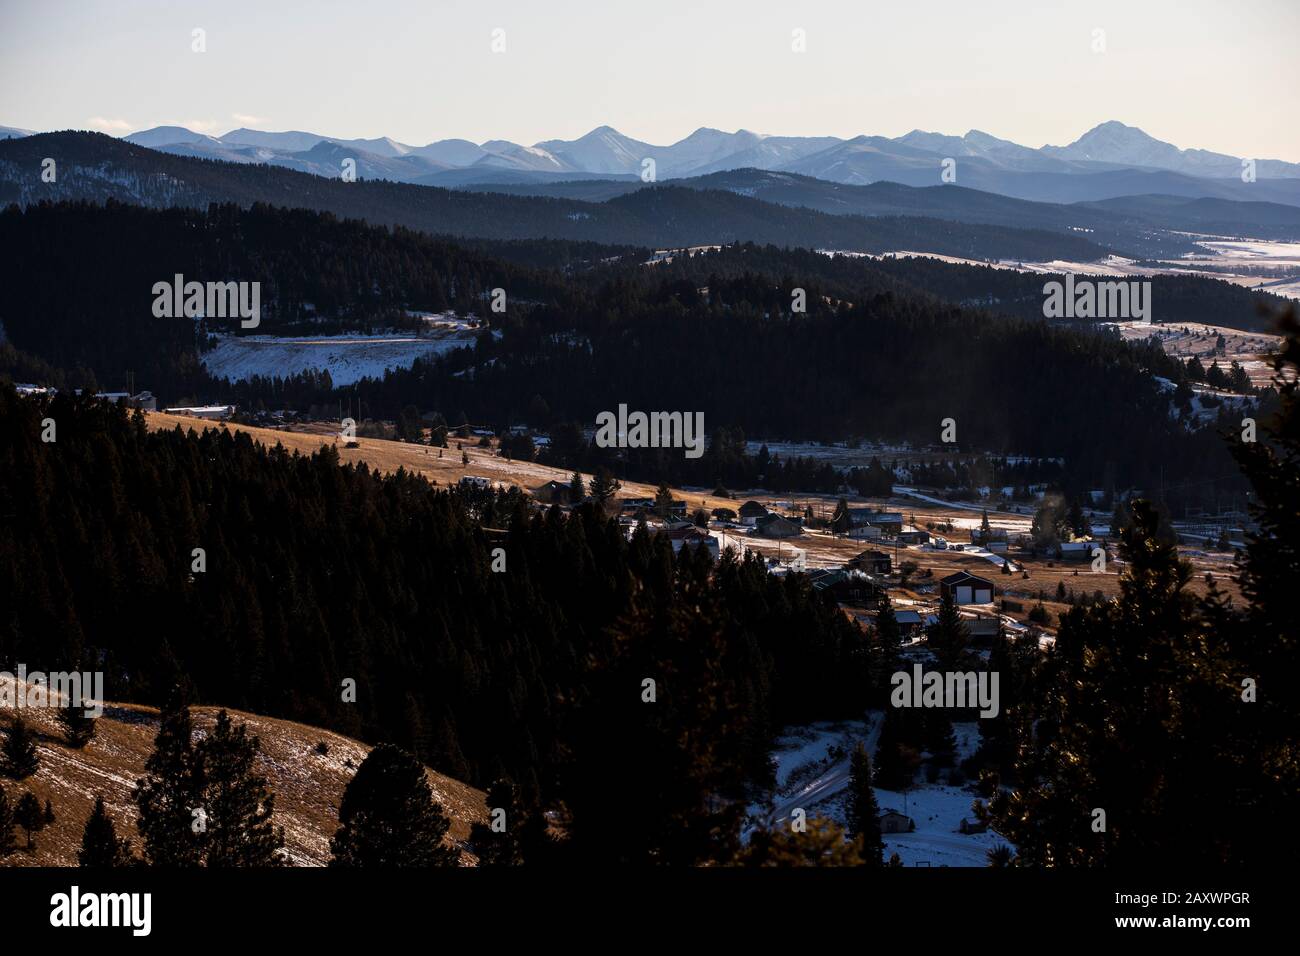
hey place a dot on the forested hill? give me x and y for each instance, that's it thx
(872, 357)
(78, 280)
(315, 573)
(92, 166)
(1174, 298)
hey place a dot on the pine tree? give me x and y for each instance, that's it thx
(497, 842)
(78, 726)
(171, 791)
(7, 842)
(896, 758)
(603, 485)
(948, 636)
(1120, 519)
(19, 759)
(939, 737)
(682, 753)
(1130, 727)
(840, 520)
(863, 813)
(664, 501)
(1266, 639)
(887, 623)
(48, 814)
(388, 817)
(236, 800)
(986, 531)
(1078, 524)
(1001, 856)
(577, 489)
(29, 816)
(100, 846)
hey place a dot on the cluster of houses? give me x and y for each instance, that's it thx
(144, 399)
(974, 596)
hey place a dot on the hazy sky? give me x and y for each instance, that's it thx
(1216, 75)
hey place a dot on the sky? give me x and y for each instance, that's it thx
(1197, 73)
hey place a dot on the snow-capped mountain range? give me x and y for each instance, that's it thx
(1109, 160)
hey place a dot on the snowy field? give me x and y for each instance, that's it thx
(1219, 253)
(348, 358)
(809, 777)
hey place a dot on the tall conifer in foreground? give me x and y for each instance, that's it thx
(170, 792)
(863, 812)
(238, 804)
(497, 842)
(388, 817)
(100, 846)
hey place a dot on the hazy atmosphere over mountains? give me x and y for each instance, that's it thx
(1107, 161)
(551, 445)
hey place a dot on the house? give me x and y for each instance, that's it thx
(844, 585)
(891, 821)
(751, 511)
(909, 622)
(476, 481)
(633, 505)
(776, 526)
(873, 562)
(996, 547)
(203, 411)
(692, 537)
(859, 517)
(966, 588)
(554, 493)
(1078, 550)
(890, 522)
(865, 532)
(982, 628)
(914, 536)
(886, 522)
(144, 400)
(971, 826)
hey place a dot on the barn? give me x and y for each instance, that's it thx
(966, 588)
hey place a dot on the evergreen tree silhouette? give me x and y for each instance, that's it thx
(388, 817)
(100, 846)
(19, 758)
(238, 804)
(863, 812)
(171, 791)
(495, 846)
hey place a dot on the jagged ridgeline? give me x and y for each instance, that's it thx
(316, 573)
(96, 167)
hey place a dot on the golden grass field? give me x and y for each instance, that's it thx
(307, 785)
(822, 549)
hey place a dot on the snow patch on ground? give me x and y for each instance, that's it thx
(348, 358)
(812, 774)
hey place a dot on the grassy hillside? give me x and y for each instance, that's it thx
(307, 784)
